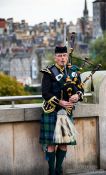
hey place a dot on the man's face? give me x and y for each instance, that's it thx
(61, 59)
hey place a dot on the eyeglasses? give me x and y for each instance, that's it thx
(61, 55)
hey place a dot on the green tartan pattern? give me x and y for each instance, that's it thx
(48, 123)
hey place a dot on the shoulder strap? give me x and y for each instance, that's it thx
(57, 74)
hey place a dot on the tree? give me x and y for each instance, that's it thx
(10, 87)
(98, 51)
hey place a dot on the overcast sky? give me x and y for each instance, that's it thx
(36, 11)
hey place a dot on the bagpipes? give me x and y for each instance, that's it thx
(65, 131)
(74, 84)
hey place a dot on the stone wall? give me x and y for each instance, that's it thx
(21, 153)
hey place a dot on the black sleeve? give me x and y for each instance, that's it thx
(46, 90)
(46, 87)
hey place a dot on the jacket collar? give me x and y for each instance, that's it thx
(60, 68)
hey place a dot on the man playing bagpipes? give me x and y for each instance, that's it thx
(60, 93)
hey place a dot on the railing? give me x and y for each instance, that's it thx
(17, 98)
(12, 99)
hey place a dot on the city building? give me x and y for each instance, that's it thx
(23, 48)
(86, 25)
(99, 18)
(3, 26)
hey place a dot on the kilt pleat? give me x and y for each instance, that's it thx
(48, 123)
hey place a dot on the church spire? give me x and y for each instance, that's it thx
(85, 11)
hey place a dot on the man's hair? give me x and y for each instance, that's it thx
(60, 49)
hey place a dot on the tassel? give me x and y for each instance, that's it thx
(62, 130)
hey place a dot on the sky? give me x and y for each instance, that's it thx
(36, 11)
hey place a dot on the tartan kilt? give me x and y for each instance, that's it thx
(48, 123)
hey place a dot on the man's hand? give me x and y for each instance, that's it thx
(66, 104)
(74, 98)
